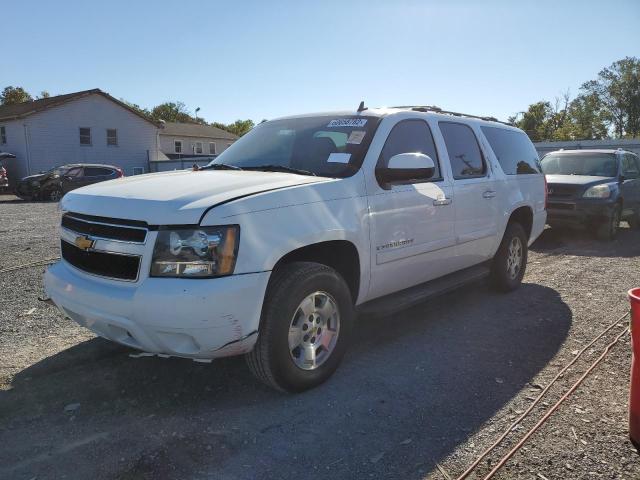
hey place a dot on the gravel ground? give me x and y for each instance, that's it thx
(418, 396)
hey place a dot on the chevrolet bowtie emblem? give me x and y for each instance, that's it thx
(84, 243)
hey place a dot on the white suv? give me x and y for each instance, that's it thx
(272, 248)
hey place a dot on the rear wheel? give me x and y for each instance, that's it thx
(305, 327)
(510, 261)
(634, 220)
(609, 229)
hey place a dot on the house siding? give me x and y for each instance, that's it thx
(53, 136)
(16, 167)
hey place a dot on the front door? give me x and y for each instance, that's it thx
(412, 234)
(630, 185)
(475, 193)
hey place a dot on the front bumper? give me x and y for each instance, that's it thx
(193, 318)
(578, 212)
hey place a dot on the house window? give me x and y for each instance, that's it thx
(138, 170)
(85, 136)
(177, 146)
(3, 135)
(198, 147)
(112, 136)
(212, 148)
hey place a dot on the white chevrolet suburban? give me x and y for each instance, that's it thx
(272, 248)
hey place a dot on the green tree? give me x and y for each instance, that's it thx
(44, 94)
(239, 127)
(618, 89)
(174, 112)
(12, 95)
(587, 118)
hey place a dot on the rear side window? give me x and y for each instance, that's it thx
(96, 172)
(410, 136)
(514, 150)
(464, 151)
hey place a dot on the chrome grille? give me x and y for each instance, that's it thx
(107, 228)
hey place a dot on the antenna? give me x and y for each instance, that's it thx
(362, 108)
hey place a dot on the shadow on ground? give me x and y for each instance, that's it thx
(560, 241)
(410, 390)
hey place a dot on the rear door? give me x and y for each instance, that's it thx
(631, 184)
(98, 174)
(475, 195)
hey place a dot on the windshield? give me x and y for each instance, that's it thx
(324, 146)
(594, 164)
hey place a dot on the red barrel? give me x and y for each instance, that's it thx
(634, 391)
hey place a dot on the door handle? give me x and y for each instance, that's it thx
(441, 202)
(489, 194)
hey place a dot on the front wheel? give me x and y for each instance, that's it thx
(53, 195)
(305, 327)
(609, 229)
(510, 261)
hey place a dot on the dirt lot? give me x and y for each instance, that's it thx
(419, 396)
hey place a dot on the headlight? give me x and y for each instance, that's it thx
(195, 253)
(598, 191)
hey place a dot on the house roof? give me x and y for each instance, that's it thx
(21, 110)
(195, 130)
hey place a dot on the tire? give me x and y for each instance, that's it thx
(634, 220)
(510, 261)
(53, 195)
(608, 230)
(287, 319)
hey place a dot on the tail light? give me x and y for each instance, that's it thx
(3, 172)
(120, 172)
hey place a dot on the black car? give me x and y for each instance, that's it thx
(52, 185)
(593, 188)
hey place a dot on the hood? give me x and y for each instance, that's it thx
(37, 176)
(179, 197)
(577, 179)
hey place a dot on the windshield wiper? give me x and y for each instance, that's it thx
(280, 168)
(220, 166)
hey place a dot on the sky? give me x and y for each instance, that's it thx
(264, 59)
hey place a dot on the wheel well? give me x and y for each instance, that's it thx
(523, 216)
(341, 255)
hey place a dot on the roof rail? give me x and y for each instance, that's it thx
(434, 109)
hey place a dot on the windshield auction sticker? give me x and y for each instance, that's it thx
(347, 122)
(339, 158)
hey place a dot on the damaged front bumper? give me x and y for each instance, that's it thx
(200, 319)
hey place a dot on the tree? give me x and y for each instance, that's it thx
(44, 94)
(12, 95)
(239, 127)
(618, 89)
(174, 112)
(587, 118)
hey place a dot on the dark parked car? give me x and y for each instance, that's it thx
(52, 185)
(593, 188)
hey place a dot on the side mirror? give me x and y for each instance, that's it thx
(404, 167)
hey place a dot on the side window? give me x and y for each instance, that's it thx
(410, 136)
(74, 172)
(513, 149)
(97, 172)
(629, 167)
(464, 151)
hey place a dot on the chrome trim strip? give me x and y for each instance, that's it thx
(146, 230)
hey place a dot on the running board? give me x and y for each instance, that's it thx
(395, 302)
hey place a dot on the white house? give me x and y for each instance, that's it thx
(83, 127)
(183, 144)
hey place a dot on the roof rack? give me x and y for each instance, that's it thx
(434, 109)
